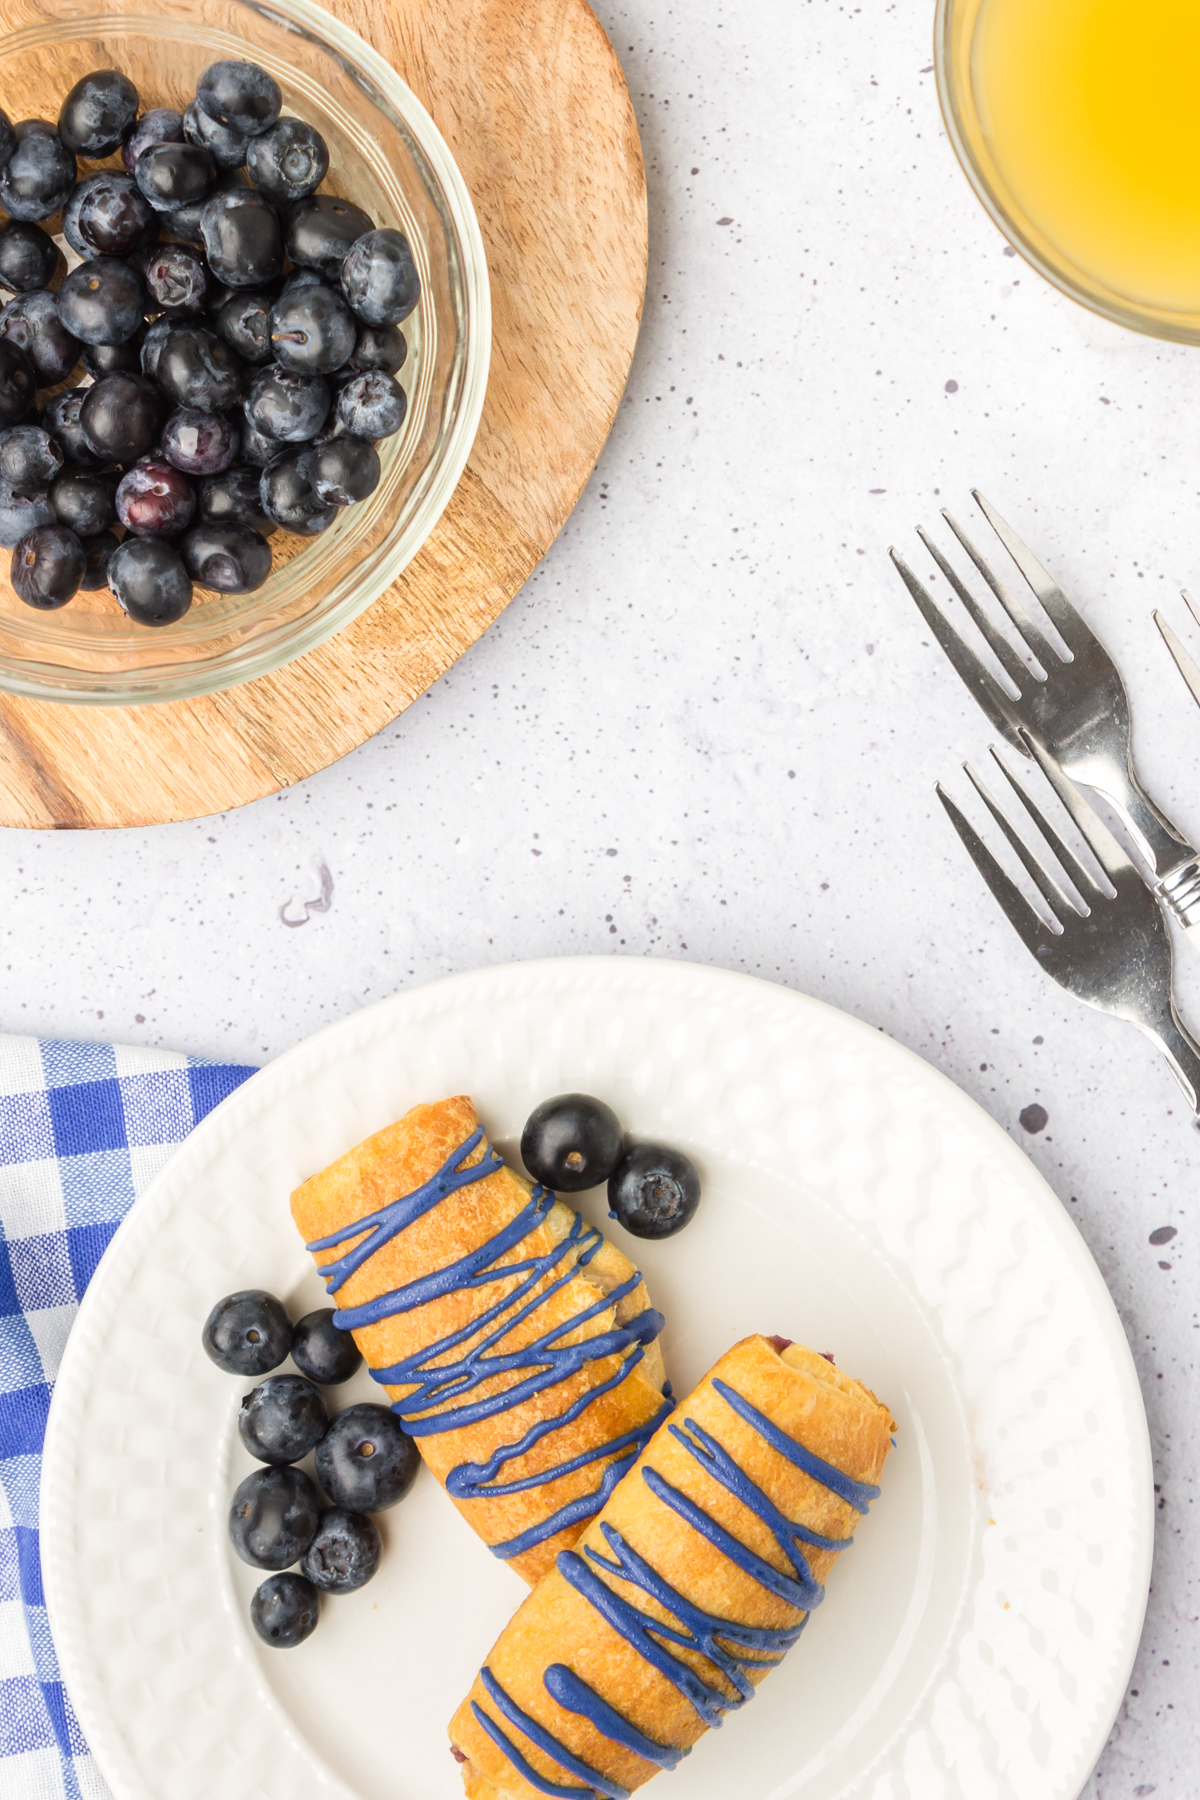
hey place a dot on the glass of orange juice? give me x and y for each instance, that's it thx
(1076, 122)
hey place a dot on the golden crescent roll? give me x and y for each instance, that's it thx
(517, 1345)
(686, 1591)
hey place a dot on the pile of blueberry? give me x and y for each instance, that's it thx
(364, 1462)
(242, 342)
(575, 1141)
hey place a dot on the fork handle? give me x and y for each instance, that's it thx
(1161, 842)
(1182, 1053)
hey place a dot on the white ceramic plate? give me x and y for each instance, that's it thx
(975, 1643)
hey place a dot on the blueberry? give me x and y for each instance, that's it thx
(344, 1553)
(247, 1333)
(47, 566)
(97, 113)
(288, 162)
(312, 330)
(8, 138)
(240, 94)
(285, 1610)
(155, 500)
(322, 1352)
(244, 321)
(121, 417)
(149, 581)
(571, 1142)
(102, 301)
(320, 231)
(39, 175)
(19, 515)
(653, 1191)
(200, 443)
(257, 448)
(83, 503)
(187, 221)
(366, 1461)
(161, 125)
(371, 405)
(197, 368)
(232, 559)
(32, 322)
(274, 1515)
(342, 471)
(383, 347)
(226, 146)
(30, 459)
(61, 420)
(17, 380)
(28, 257)
(114, 359)
(152, 346)
(176, 279)
(379, 278)
(98, 552)
(174, 175)
(283, 1419)
(233, 499)
(286, 405)
(242, 238)
(288, 497)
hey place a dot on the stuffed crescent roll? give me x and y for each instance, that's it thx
(686, 1591)
(517, 1345)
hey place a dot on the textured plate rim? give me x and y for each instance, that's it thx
(241, 1108)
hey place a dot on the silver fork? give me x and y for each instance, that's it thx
(1112, 951)
(1074, 705)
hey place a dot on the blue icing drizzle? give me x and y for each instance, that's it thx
(735, 1651)
(439, 1400)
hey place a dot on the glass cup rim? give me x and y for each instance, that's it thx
(259, 656)
(958, 115)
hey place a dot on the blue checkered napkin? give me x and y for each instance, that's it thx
(83, 1127)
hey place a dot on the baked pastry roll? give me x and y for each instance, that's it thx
(686, 1591)
(517, 1345)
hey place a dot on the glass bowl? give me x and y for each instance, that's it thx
(385, 154)
(955, 47)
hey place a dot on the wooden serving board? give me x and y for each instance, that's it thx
(532, 102)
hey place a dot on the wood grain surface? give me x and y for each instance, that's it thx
(532, 102)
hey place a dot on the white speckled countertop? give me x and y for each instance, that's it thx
(710, 725)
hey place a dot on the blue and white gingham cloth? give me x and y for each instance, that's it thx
(83, 1127)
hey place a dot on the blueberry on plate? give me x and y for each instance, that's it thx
(379, 277)
(571, 1142)
(233, 498)
(231, 559)
(103, 301)
(148, 579)
(28, 257)
(108, 215)
(371, 405)
(242, 239)
(161, 125)
(240, 94)
(17, 381)
(244, 321)
(258, 450)
(312, 330)
(61, 420)
(287, 405)
(282, 1419)
(321, 1351)
(200, 443)
(382, 347)
(98, 552)
(653, 1191)
(197, 368)
(273, 1517)
(19, 515)
(288, 497)
(38, 177)
(366, 1461)
(288, 162)
(121, 417)
(176, 279)
(285, 1610)
(174, 175)
(30, 459)
(343, 470)
(83, 502)
(47, 567)
(32, 322)
(320, 231)
(247, 1333)
(226, 145)
(97, 113)
(155, 499)
(344, 1553)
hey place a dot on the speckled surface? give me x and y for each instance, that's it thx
(710, 725)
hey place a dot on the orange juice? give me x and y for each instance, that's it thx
(1090, 110)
